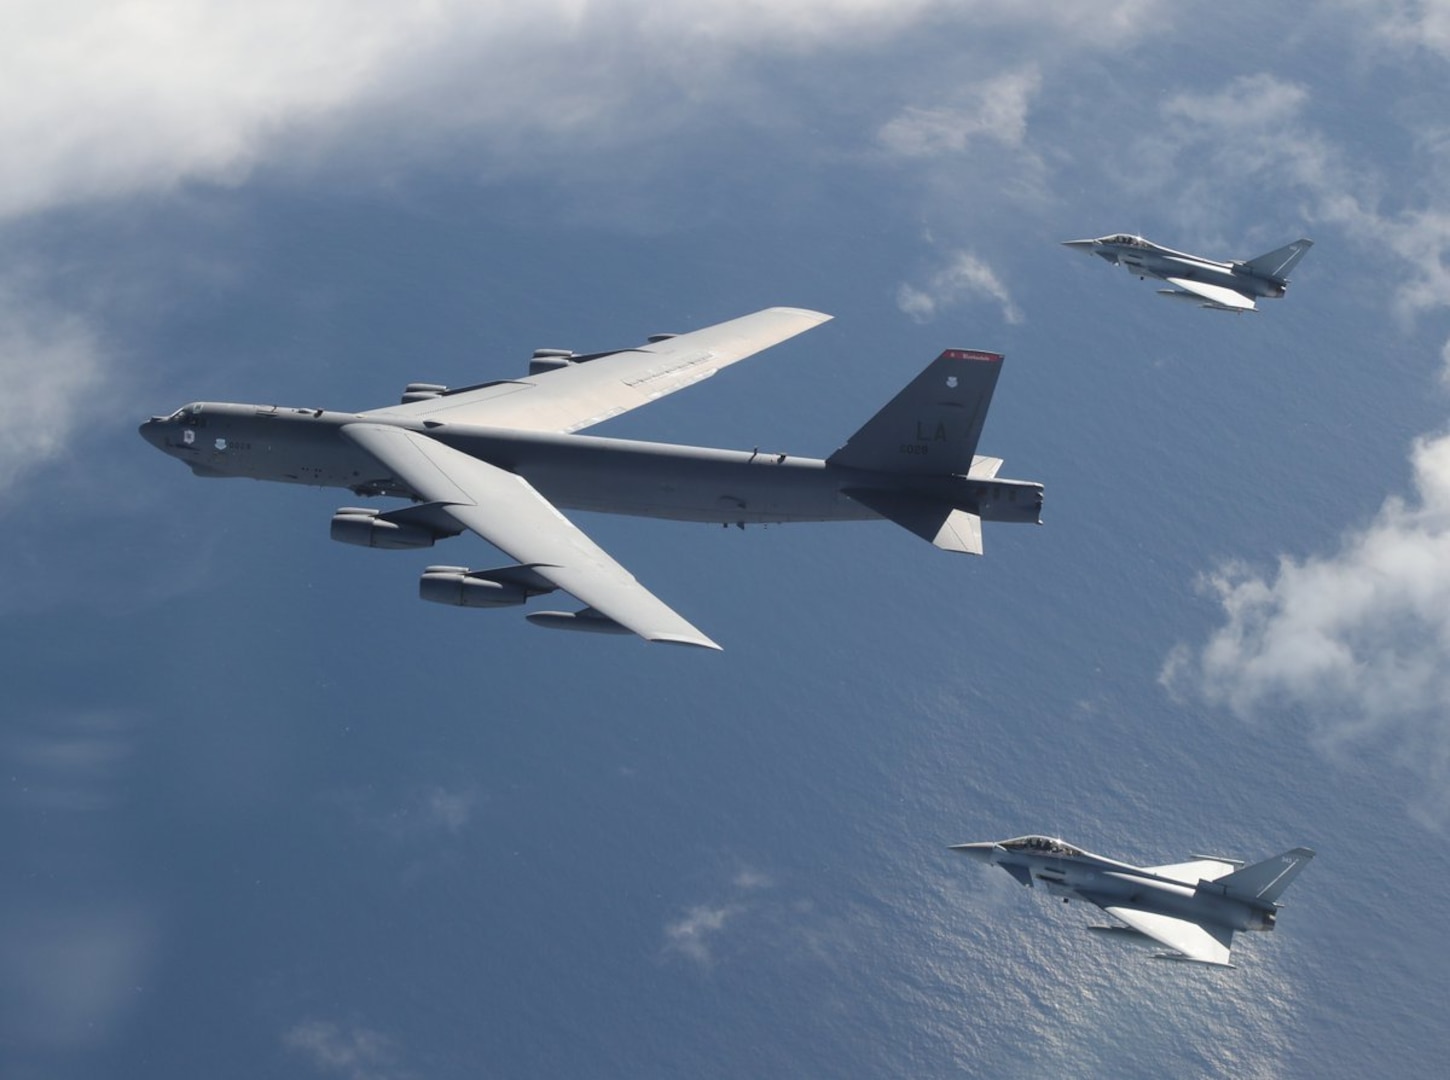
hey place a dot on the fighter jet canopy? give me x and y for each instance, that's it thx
(1041, 845)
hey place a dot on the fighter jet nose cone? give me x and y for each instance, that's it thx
(1080, 245)
(981, 852)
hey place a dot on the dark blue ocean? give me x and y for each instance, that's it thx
(319, 818)
(265, 814)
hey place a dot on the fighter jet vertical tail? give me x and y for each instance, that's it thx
(933, 425)
(1267, 880)
(1276, 264)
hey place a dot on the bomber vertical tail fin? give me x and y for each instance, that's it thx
(1267, 880)
(933, 425)
(1276, 264)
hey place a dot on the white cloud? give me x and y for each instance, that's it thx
(690, 936)
(52, 367)
(1414, 24)
(1360, 639)
(100, 100)
(963, 278)
(995, 109)
(1252, 134)
(358, 1053)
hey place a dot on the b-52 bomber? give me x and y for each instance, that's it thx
(502, 458)
(1219, 286)
(1192, 907)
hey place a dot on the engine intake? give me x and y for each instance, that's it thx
(370, 528)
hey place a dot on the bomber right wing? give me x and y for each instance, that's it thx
(1190, 940)
(505, 510)
(588, 390)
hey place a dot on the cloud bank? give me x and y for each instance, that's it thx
(963, 278)
(52, 366)
(100, 101)
(1359, 639)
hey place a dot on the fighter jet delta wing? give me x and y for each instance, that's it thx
(1215, 296)
(1188, 940)
(581, 391)
(507, 512)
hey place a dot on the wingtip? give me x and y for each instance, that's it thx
(817, 317)
(700, 642)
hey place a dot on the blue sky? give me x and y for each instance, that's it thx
(266, 814)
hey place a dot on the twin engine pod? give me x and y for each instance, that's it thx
(366, 527)
(508, 586)
(459, 586)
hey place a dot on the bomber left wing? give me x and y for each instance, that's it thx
(588, 390)
(1190, 940)
(1215, 296)
(506, 511)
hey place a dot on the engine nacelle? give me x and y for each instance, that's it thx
(458, 586)
(550, 360)
(366, 527)
(422, 391)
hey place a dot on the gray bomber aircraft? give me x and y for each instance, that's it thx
(1221, 286)
(500, 457)
(1191, 907)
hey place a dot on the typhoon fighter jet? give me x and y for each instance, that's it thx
(1219, 286)
(1191, 907)
(502, 459)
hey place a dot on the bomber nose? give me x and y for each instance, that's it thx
(154, 432)
(981, 852)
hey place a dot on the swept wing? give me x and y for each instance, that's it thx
(592, 389)
(1191, 940)
(506, 511)
(1219, 296)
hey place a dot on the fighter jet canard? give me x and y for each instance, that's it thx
(1192, 907)
(1219, 286)
(503, 459)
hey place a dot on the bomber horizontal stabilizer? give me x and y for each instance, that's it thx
(937, 523)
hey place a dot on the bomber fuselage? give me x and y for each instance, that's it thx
(579, 472)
